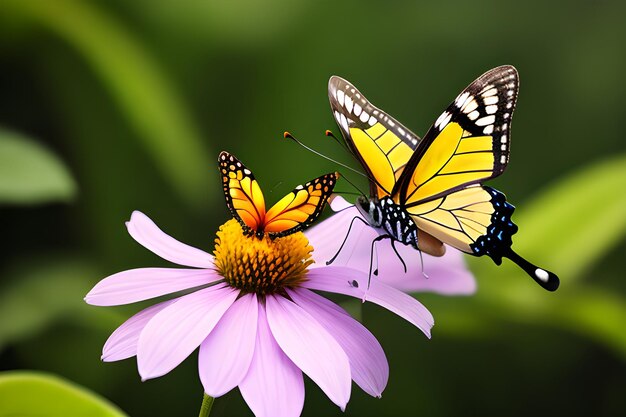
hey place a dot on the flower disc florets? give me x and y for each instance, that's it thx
(261, 266)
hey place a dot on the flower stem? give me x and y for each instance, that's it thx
(207, 404)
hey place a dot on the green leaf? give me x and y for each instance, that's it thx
(44, 291)
(567, 229)
(135, 81)
(574, 222)
(39, 395)
(30, 173)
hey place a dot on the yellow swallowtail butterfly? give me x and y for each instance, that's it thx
(432, 187)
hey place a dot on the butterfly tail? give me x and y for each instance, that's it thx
(548, 280)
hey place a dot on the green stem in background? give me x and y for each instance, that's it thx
(207, 404)
(135, 81)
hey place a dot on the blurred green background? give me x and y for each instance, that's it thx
(111, 106)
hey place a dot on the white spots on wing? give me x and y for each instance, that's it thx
(487, 120)
(344, 123)
(414, 141)
(473, 115)
(491, 109)
(358, 96)
(491, 92)
(503, 148)
(340, 97)
(542, 274)
(247, 171)
(349, 104)
(364, 116)
(357, 109)
(375, 112)
(509, 105)
(506, 115)
(505, 126)
(509, 93)
(401, 131)
(503, 159)
(443, 120)
(491, 100)
(488, 130)
(470, 105)
(460, 100)
(372, 121)
(503, 139)
(391, 123)
(299, 187)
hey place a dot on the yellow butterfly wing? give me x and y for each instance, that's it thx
(382, 145)
(462, 217)
(299, 209)
(469, 142)
(244, 197)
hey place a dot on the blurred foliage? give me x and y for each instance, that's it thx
(30, 174)
(137, 98)
(33, 394)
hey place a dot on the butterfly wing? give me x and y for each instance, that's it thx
(469, 142)
(381, 144)
(475, 219)
(299, 209)
(244, 197)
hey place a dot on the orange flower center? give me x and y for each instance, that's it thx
(261, 266)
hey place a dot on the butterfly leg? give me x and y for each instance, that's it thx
(393, 245)
(345, 239)
(378, 239)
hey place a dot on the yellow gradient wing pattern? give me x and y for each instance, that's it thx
(469, 142)
(381, 144)
(459, 218)
(299, 209)
(244, 197)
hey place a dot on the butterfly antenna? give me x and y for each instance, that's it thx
(332, 135)
(278, 184)
(360, 192)
(288, 135)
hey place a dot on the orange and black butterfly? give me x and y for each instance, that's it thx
(432, 187)
(293, 213)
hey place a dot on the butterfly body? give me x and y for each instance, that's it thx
(436, 182)
(293, 213)
(392, 218)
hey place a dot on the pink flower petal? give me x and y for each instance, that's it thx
(338, 203)
(144, 283)
(273, 385)
(445, 275)
(368, 363)
(122, 343)
(178, 329)
(148, 234)
(310, 347)
(226, 353)
(341, 280)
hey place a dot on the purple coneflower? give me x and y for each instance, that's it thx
(252, 311)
